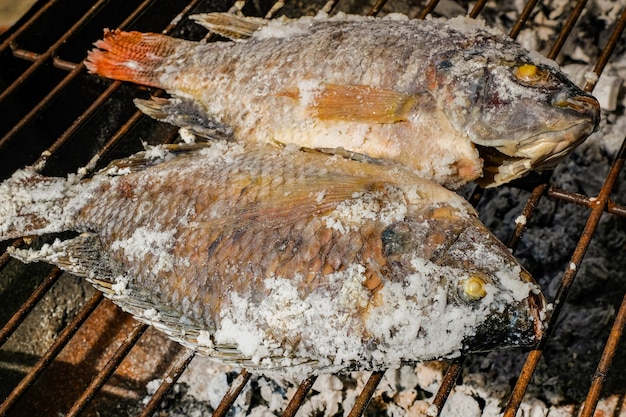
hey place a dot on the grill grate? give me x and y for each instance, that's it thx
(58, 119)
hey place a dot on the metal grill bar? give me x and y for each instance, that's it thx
(608, 50)
(51, 354)
(522, 19)
(233, 392)
(298, 398)
(585, 201)
(448, 383)
(98, 382)
(610, 350)
(428, 9)
(48, 54)
(57, 62)
(365, 396)
(168, 382)
(478, 6)
(75, 71)
(4, 258)
(28, 305)
(44, 9)
(567, 28)
(377, 7)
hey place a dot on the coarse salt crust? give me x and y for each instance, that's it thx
(145, 241)
(368, 206)
(37, 204)
(414, 319)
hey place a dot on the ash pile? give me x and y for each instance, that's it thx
(562, 379)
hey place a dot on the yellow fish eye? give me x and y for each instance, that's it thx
(473, 288)
(529, 73)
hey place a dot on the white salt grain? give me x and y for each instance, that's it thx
(204, 339)
(152, 314)
(279, 28)
(120, 286)
(155, 152)
(186, 135)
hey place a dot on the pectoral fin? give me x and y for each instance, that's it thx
(236, 28)
(184, 113)
(356, 103)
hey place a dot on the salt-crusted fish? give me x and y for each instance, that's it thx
(282, 259)
(451, 99)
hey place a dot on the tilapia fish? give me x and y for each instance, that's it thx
(451, 99)
(282, 260)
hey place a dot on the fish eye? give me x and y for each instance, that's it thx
(529, 73)
(473, 288)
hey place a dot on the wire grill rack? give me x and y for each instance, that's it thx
(58, 118)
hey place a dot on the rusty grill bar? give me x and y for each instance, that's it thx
(51, 158)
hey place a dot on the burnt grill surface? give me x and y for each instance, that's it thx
(64, 349)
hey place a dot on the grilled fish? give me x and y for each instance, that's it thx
(282, 260)
(451, 99)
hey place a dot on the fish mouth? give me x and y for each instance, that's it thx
(509, 159)
(520, 325)
(540, 152)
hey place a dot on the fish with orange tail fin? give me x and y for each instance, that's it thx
(286, 261)
(452, 100)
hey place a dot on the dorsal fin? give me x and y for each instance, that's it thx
(236, 28)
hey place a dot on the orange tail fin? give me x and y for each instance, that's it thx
(131, 56)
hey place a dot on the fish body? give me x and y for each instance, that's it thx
(451, 99)
(286, 261)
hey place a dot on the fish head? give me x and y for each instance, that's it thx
(471, 277)
(521, 116)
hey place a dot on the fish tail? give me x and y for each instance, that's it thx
(31, 204)
(131, 56)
